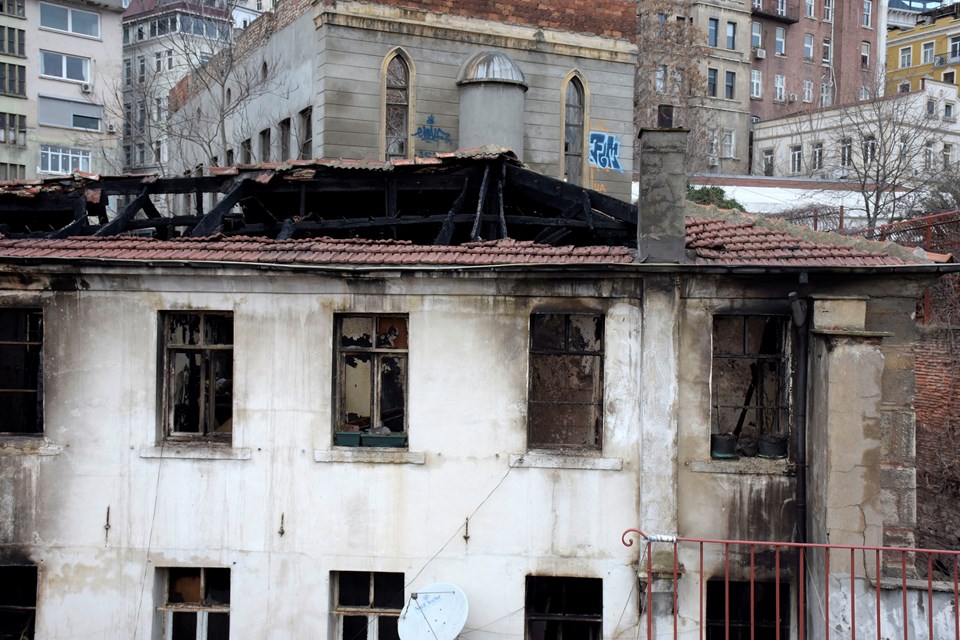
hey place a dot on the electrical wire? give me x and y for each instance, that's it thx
(146, 561)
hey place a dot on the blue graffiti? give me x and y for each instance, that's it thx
(605, 151)
(431, 133)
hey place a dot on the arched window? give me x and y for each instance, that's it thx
(574, 117)
(396, 109)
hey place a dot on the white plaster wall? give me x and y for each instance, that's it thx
(467, 406)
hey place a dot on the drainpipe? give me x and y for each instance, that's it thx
(799, 309)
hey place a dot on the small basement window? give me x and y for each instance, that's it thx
(566, 381)
(750, 384)
(559, 608)
(197, 605)
(746, 622)
(371, 384)
(18, 602)
(21, 371)
(367, 604)
(197, 351)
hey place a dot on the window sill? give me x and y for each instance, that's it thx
(549, 460)
(23, 445)
(196, 451)
(744, 466)
(71, 33)
(374, 455)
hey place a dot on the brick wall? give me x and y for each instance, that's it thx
(938, 430)
(613, 18)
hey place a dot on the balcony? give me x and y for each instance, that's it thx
(778, 10)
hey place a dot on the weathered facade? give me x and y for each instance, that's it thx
(401, 80)
(244, 432)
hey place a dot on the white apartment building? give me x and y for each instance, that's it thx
(57, 60)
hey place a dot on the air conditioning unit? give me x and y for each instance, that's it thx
(713, 161)
(940, 61)
(792, 97)
(86, 87)
(111, 128)
(760, 53)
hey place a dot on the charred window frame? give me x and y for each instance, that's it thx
(196, 604)
(559, 608)
(197, 387)
(21, 371)
(18, 601)
(751, 388)
(750, 609)
(367, 604)
(566, 381)
(371, 383)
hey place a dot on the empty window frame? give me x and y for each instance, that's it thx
(21, 371)
(284, 129)
(751, 375)
(750, 610)
(366, 604)
(196, 604)
(396, 110)
(305, 122)
(560, 608)
(574, 116)
(18, 602)
(265, 145)
(371, 384)
(197, 386)
(566, 381)
(246, 152)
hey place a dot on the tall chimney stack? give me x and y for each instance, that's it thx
(661, 232)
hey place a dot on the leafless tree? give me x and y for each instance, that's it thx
(670, 82)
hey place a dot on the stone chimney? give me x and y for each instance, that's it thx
(663, 190)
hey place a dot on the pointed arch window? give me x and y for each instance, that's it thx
(573, 124)
(397, 108)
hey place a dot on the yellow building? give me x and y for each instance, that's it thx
(929, 50)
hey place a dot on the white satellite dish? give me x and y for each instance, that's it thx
(435, 612)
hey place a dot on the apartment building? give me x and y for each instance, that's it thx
(163, 41)
(928, 50)
(56, 65)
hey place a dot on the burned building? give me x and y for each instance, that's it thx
(328, 384)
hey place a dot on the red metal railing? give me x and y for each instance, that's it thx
(882, 577)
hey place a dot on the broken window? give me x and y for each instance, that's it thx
(197, 605)
(751, 378)
(566, 381)
(371, 391)
(751, 616)
(21, 371)
(367, 604)
(198, 374)
(18, 602)
(564, 608)
(397, 108)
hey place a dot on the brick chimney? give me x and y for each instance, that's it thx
(663, 192)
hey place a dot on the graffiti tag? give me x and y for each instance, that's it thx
(432, 133)
(605, 151)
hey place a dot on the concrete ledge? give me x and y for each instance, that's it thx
(741, 466)
(196, 452)
(15, 445)
(564, 461)
(373, 455)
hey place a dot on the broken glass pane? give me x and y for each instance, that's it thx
(357, 393)
(356, 332)
(388, 590)
(184, 625)
(397, 74)
(393, 381)
(391, 333)
(355, 627)
(387, 628)
(218, 626)
(564, 425)
(218, 586)
(222, 364)
(564, 378)
(586, 333)
(185, 388)
(396, 96)
(183, 328)
(547, 331)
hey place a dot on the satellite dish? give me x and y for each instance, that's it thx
(435, 612)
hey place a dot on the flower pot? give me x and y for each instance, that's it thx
(383, 440)
(723, 446)
(346, 438)
(772, 447)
